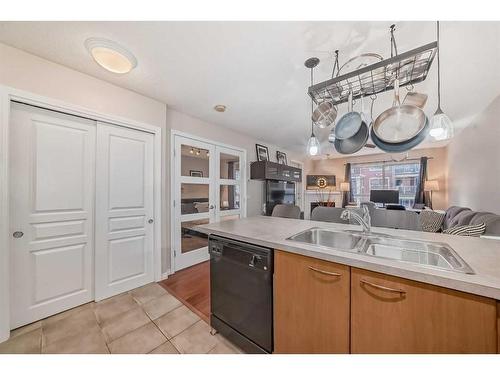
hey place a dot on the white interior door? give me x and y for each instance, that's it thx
(124, 210)
(52, 210)
(194, 199)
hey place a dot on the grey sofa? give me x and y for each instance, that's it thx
(410, 220)
(456, 215)
(379, 217)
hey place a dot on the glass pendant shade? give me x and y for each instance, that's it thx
(313, 146)
(441, 126)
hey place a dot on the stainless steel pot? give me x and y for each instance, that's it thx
(400, 123)
(355, 143)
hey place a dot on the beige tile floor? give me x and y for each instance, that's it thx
(144, 320)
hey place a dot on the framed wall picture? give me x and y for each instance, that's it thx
(196, 173)
(281, 158)
(262, 152)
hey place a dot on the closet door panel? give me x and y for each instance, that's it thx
(124, 210)
(52, 212)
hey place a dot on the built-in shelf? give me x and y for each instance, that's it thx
(268, 170)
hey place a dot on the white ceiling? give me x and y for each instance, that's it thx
(256, 68)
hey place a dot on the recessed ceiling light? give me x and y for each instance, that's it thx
(220, 108)
(110, 55)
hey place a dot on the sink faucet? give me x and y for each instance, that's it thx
(365, 220)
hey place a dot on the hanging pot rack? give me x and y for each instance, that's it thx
(410, 67)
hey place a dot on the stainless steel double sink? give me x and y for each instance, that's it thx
(422, 253)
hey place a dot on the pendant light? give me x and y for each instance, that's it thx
(313, 143)
(441, 125)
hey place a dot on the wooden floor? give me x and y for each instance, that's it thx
(192, 287)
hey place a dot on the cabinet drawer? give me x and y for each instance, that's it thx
(311, 305)
(395, 315)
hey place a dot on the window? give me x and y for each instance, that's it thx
(391, 176)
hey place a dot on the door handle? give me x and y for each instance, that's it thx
(324, 272)
(150, 221)
(18, 234)
(254, 260)
(384, 288)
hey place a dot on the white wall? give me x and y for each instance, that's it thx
(474, 163)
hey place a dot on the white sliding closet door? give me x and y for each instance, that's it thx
(52, 212)
(124, 210)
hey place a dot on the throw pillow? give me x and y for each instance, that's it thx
(467, 230)
(431, 221)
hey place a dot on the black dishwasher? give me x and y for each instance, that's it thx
(241, 293)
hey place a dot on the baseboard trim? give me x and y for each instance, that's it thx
(4, 336)
(165, 275)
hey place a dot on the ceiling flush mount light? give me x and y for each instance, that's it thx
(110, 55)
(220, 108)
(313, 143)
(441, 125)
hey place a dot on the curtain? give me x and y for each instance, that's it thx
(347, 195)
(421, 196)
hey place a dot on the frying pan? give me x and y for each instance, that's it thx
(402, 146)
(349, 124)
(401, 123)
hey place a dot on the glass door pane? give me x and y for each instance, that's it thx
(195, 161)
(190, 239)
(229, 166)
(229, 197)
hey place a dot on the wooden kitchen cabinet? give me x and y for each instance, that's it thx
(395, 315)
(498, 327)
(311, 305)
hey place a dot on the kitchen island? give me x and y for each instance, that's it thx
(333, 301)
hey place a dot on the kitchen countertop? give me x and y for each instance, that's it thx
(482, 255)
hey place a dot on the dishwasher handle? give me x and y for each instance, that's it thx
(247, 255)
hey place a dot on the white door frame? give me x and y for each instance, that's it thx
(243, 209)
(8, 94)
(303, 192)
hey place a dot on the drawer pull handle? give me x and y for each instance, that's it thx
(324, 272)
(387, 289)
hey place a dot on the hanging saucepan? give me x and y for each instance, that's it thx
(401, 123)
(351, 132)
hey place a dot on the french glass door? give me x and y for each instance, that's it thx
(207, 188)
